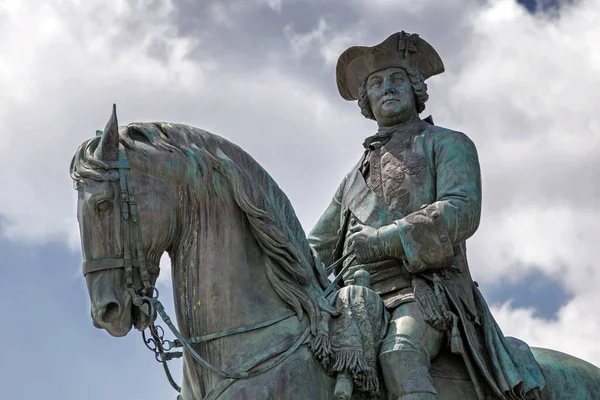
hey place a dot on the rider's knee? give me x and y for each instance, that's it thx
(403, 342)
(409, 330)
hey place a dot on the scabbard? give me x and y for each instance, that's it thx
(339, 245)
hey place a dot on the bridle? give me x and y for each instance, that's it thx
(146, 299)
(130, 217)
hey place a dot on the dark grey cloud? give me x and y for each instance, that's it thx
(254, 37)
(257, 37)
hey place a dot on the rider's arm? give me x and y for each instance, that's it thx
(325, 234)
(425, 238)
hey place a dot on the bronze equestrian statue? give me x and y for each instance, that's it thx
(257, 317)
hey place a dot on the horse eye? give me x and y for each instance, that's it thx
(103, 205)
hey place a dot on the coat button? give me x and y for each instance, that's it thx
(443, 238)
(353, 221)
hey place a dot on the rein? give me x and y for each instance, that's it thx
(146, 299)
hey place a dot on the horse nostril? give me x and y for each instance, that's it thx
(110, 312)
(100, 313)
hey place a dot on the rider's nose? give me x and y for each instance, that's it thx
(108, 313)
(387, 87)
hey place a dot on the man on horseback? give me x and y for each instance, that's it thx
(406, 211)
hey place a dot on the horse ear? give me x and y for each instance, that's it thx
(108, 148)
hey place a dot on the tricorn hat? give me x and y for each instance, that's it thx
(401, 49)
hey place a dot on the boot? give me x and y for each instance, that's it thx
(406, 375)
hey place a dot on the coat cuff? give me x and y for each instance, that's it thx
(425, 240)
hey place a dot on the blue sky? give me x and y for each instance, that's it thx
(261, 73)
(52, 348)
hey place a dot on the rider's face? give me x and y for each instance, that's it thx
(391, 96)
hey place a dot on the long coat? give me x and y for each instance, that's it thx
(421, 172)
(426, 180)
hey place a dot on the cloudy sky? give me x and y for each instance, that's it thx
(521, 82)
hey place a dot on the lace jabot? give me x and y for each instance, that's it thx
(384, 134)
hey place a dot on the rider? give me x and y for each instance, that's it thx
(406, 211)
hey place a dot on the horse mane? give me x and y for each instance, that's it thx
(270, 214)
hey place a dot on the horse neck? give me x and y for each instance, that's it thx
(218, 272)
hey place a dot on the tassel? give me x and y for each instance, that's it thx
(428, 304)
(367, 381)
(320, 344)
(456, 344)
(438, 287)
(349, 360)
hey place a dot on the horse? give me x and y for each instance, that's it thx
(248, 292)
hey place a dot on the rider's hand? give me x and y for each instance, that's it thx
(370, 244)
(365, 242)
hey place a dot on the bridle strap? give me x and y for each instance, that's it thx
(127, 263)
(141, 257)
(104, 264)
(130, 217)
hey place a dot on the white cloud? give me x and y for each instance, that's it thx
(574, 331)
(164, 279)
(557, 240)
(68, 59)
(524, 97)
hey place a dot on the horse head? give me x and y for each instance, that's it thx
(127, 219)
